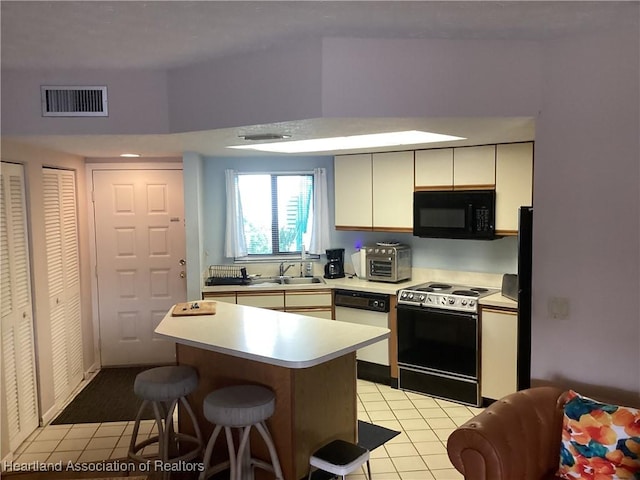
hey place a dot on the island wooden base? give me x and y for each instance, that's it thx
(314, 405)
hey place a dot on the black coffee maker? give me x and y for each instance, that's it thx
(335, 263)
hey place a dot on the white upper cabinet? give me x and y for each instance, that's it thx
(434, 169)
(460, 168)
(375, 191)
(474, 168)
(353, 200)
(514, 184)
(393, 191)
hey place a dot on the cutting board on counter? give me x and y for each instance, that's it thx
(188, 309)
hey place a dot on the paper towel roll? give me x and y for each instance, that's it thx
(359, 260)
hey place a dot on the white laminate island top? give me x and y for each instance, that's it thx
(269, 336)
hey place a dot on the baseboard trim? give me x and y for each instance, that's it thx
(92, 370)
(48, 416)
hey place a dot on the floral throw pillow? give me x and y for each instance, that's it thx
(599, 441)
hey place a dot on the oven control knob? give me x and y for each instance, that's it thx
(411, 296)
(443, 300)
(472, 303)
(422, 297)
(452, 300)
(403, 295)
(463, 301)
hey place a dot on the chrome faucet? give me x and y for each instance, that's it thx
(284, 269)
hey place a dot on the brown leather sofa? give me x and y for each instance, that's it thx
(515, 438)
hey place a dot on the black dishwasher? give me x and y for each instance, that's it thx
(372, 309)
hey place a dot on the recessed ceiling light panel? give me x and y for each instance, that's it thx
(130, 155)
(373, 140)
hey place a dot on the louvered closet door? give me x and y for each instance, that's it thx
(18, 348)
(61, 228)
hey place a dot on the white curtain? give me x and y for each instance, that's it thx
(235, 244)
(320, 227)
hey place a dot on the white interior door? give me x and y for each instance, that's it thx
(19, 401)
(140, 252)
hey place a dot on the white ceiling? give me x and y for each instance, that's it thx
(168, 34)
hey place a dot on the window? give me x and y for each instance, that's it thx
(277, 212)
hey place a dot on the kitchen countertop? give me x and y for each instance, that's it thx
(498, 300)
(358, 284)
(269, 336)
(354, 283)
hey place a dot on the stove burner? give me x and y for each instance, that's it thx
(438, 286)
(465, 293)
(479, 289)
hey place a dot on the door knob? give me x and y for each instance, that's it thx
(182, 261)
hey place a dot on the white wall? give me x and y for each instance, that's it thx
(270, 86)
(587, 210)
(137, 102)
(429, 78)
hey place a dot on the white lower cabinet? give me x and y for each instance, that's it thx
(220, 297)
(499, 352)
(313, 303)
(271, 300)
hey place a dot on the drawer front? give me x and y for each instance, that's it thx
(220, 297)
(274, 301)
(307, 299)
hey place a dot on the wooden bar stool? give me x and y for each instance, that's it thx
(162, 388)
(241, 407)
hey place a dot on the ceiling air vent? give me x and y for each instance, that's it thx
(74, 101)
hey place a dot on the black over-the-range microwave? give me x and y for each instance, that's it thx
(455, 214)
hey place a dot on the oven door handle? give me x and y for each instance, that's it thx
(457, 313)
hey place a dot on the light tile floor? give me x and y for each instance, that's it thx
(418, 453)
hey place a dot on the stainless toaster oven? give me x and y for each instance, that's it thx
(387, 262)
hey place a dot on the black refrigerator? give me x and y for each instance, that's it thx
(525, 254)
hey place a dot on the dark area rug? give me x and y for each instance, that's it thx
(108, 397)
(372, 436)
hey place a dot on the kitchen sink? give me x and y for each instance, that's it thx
(276, 281)
(302, 280)
(266, 281)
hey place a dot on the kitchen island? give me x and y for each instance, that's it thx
(308, 362)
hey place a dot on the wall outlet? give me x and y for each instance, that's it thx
(558, 308)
